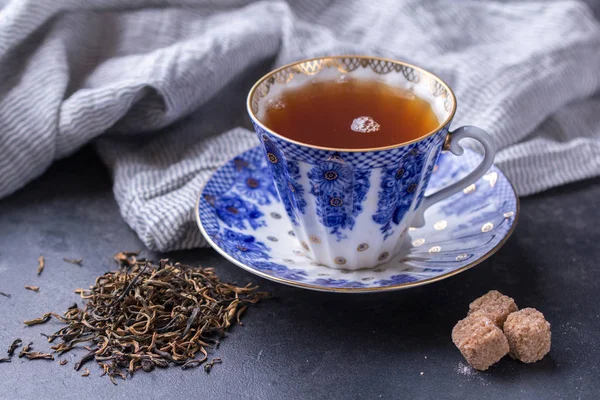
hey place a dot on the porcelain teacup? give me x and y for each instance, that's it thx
(351, 208)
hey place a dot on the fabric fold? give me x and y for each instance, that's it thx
(160, 85)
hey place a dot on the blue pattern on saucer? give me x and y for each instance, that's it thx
(242, 217)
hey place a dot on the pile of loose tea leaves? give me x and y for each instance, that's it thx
(146, 315)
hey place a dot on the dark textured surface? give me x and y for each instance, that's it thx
(306, 344)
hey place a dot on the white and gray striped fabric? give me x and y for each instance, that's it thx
(160, 85)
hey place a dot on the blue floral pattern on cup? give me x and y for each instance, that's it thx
(339, 189)
(297, 191)
(285, 175)
(397, 192)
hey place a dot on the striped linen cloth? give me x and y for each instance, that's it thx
(160, 85)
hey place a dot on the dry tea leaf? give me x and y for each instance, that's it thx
(126, 257)
(5, 294)
(44, 318)
(41, 264)
(74, 261)
(86, 372)
(14, 345)
(34, 355)
(25, 349)
(208, 367)
(5, 360)
(84, 359)
(63, 362)
(32, 288)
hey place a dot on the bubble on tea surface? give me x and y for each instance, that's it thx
(275, 104)
(364, 125)
(343, 79)
(405, 94)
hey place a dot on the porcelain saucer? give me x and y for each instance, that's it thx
(241, 216)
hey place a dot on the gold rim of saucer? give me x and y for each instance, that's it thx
(393, 146)
(317, 288)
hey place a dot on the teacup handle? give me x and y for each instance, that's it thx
(452, 144)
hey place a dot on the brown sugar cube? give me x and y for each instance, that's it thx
(528, 335)
(479, 340)
(495, 305)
